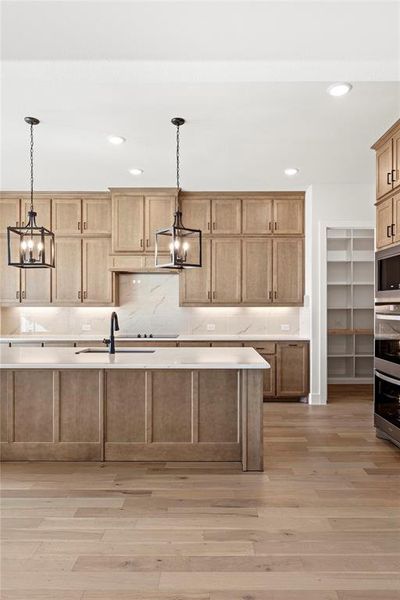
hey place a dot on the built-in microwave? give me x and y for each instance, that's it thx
(387, 275)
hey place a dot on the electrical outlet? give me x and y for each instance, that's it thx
(86, 327)
(210, 326)
(285, 327)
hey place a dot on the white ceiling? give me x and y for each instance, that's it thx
(249, 77)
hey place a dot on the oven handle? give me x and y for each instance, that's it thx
(386, 378)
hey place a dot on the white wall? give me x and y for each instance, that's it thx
(328, 205)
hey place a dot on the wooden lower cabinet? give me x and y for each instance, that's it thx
(292, 369)
(172, 415)
(44, 416)
(269, 384)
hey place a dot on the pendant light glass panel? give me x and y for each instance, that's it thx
(30, 246)
(184, 246)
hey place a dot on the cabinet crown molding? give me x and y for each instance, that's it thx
(386, 136)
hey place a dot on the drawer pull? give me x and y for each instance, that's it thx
(141, 242)
(84, 224)
(208, 225)
(394, 175)
(388, 231)
(392, 229)
(388, 178)
(269, 226)
(275, 294)
(147, 243)
(79, 225)
(275, 225)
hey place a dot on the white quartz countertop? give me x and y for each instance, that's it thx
(82, 337)
(158, 358)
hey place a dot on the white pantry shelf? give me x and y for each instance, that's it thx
(350, 305)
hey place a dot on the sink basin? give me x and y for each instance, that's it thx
(121, 351)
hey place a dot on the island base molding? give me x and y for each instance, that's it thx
(132, 415)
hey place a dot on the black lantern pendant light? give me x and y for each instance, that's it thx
(182, 243)
(30, 246)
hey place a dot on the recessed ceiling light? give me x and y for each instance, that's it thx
(339, 89)
(135, 171)
(291, 171)
(116, 139)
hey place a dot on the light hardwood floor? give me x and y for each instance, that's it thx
(321, 523)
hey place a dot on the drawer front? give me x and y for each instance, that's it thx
(262, 347)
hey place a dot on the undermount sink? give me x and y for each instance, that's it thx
(105, 351)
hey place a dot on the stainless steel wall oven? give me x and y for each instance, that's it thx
(387, 372)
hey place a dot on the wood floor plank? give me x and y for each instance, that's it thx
(321, 523)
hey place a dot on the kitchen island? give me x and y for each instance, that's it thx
(141, 404)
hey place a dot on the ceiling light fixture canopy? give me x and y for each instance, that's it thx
(182, 244)
(30, 246)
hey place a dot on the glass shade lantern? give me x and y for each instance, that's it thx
(182, 244)
(30, 246)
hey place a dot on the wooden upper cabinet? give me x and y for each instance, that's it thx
(97, 279)
(36, 286)
(67, 275)
(288, 216)
(257, 271)
(288, 271)
(384, 222)
(9, 277)
(226, 271)
(195, 284)
(292, 369)
(196, 213)
(384, 159)
(42, 207)
(396, 218)
(128, 223)
(257, 215)
(67, 215)
(226, 215)
(396, 160)
(159, 215)
(9, 213)
(96, 215)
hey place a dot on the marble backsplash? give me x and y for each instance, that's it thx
(150, 303)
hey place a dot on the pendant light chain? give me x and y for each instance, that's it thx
(177, 156)
(31, 161)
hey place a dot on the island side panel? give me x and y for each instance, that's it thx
(252, 419)
(182, 415)
(52, 415)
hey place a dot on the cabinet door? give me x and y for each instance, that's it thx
(96, 215)
(195, 284)
(196, 213)
(36, 286)
(42, 207)
(396, 160)
(396, 218)
(9, 276)
(292, 369)
(97, 279)
(67, 276)
(257, 215)
(9, 213)
(288, 216)
(288, 271)
(67, 217)
(226, 271)
(159, 215)
(257, 271)
(127, 223)
(226, 215)
(384, 169)
(269, 379)
(384, 221)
